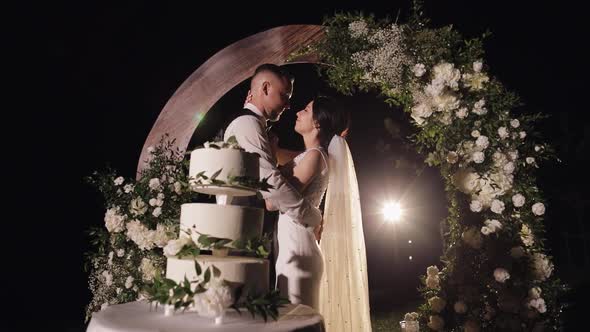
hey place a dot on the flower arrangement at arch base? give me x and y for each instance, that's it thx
(495, 273)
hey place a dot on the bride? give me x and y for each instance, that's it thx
(330, 276)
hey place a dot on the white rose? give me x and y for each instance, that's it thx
(482, 141)
(137, 207)
(437, 304)
(538, 209)
(174, 246)
(501, 275)
(497, 206)
(477, 66)
(517, 252)
(503, 132)
(436, 322)
(154, 184)
(114, 222)
(411, 316)
(153, 202)
(460, 307)
(478, 157)
(432, 271)
(514, 123)
(522, 134)
(419, 70)
(157, 212)
(479, 108)
(214, 301)
(129, 282)
(452, 157)
(447, 73)
(462, 113)
(421, 112)
(475, 133)
(518, 200)
(530, 160)
(476, 206)
(119, 181)
(178, 188)
(538, 148)
(485, 230)
(509, 168)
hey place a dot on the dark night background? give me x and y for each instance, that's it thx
(100, 74)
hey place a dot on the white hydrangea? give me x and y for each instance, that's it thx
(541, 266)
(518, 200)
(501, 275)
(437, 304)
(215, 301)
(514, 123)
(517, 252)
(411, 316)
(445, 102)
(436, 322)
(147, 269)
(460, 307)
(497, 206)
(478, 157)
(538, 209)
(462, 112)
(137, 207)
(114, 222)
(128, 188)
(447, 73)
(479, 107)
(419, 70)
(476, 206)
(119, 181)
(503, 132)
(129, 282)
(154, 184)
(138, 233)
(526, 235)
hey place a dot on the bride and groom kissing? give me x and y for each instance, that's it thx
(319, 257)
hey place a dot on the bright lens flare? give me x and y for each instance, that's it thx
(392, 212)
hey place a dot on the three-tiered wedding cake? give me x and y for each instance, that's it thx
(221, 166)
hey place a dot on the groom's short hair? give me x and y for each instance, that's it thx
(274, 69)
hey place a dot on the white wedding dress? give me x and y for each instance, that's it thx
(300, 263)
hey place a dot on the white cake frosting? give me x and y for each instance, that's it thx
(224, 221)
(232, 162)
(252, 273)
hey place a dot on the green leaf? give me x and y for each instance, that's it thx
(198, 268)
(216, 174)
(207, 276)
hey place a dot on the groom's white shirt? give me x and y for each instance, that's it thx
(250, 132)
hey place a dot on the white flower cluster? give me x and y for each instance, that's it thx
(541, 266)
(147, 239)
(174, 246)
(114, 222)
(432, 279)
(383, 64)
(213, 302)
(437, 304)
(358, 29)
(535, 300)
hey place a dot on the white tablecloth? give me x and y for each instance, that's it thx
(137, 316)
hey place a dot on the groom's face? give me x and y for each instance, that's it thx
(278, 98)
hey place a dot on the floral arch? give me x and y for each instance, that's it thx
(495, 273)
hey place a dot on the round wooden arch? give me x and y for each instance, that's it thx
(227, 68)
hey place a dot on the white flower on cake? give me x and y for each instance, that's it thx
(147, 269)
(522, 135)
(526, 235)
(154, 184)
(479, 107)
(538, 209)
(114, 222)
(129, 282)
(472, 237)
(419, 70)
(518, 200)
(476, 206)
(174, 246)
(517, 252)
(478, 157)
(128, 188)
(482, 142)
(497, 206)
(462, 113)
(541, 266)
(137, 207)
(501, 275)
(119, 181)
(503, 133)
(436, 322)
(460, 307)
(215, 301)
(437, 304)
(514, 123)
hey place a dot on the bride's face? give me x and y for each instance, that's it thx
(305, 123)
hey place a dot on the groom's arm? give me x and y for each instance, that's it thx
(250, 134)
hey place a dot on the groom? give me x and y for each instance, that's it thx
(271, 88)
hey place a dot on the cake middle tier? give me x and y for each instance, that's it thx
(223, 221)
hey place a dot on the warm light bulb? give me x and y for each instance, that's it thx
(392, 211)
